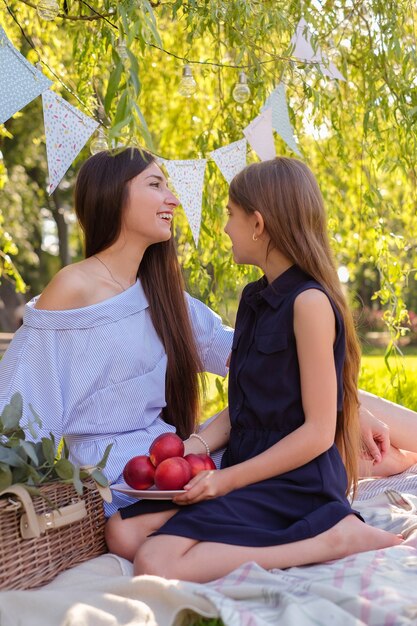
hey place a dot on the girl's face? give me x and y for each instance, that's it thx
(150, 206)
(240, 229)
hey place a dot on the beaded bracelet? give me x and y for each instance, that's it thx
(205, 444)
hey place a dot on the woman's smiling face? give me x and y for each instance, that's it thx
(150, 206)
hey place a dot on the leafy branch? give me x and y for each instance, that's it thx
(33, 463)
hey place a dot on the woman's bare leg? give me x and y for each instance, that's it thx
(205, 561)
(387, 419)
(125, 536)
(394, 462)
(402, 422)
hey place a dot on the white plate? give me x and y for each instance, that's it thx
(150, 494)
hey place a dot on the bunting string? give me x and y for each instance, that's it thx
(67, 129)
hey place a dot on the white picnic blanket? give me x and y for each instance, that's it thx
(377, 588)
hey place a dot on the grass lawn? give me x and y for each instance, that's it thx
(399, 385)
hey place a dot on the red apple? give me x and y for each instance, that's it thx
(210, 464)
(164, 447)
(173, 473)
(199, 463)
(196, 462)
(139, 472)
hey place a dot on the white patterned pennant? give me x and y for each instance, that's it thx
(280, 118)
(20, 81)
(188, 180)
(260, 136)
(230, 159)
(303, 50)
(67, 130)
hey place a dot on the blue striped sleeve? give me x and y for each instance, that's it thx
(213, 338)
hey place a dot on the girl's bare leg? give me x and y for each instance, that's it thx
(125, 536)
(205, 561)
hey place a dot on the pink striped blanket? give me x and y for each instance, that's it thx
(377, 588)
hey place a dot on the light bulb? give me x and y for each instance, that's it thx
(187, 86)
(47, 9)
(241, 91)
(99, 143)
(121, 49)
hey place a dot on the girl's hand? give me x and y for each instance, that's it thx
(205, 486)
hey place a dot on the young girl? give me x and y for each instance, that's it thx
(280, 497)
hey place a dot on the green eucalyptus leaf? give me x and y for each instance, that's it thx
(36, 419)
(20, 474)
(6, 476)
(100, 478)
(78, 486)
(34, 476)
(102, 463)
(30, 450)
(40, 453)
(10, 457)
(64, 469)
(48, 450)
(12, 413)
(16, 438)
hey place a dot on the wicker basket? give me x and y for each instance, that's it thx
(38, 541)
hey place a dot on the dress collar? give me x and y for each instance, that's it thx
(122, 305)
(275, 292)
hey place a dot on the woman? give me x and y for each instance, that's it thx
(111, 350)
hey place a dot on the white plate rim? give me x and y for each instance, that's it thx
(149, 494)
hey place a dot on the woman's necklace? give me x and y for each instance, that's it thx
(111, 274)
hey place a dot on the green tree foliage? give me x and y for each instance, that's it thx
(122, 62)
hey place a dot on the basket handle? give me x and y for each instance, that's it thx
(33, 525)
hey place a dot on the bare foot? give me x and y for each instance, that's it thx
(351, 535)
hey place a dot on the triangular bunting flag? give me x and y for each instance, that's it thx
(331, 71)
(20, 81)
(302, 47)
(280, 118)
(67, 130)
(259, 135)
(303, 50)
(188, 180)
(230, 159)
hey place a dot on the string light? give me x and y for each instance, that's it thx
(47, 9)
(241, 91)
(100, 142)
(187, 86)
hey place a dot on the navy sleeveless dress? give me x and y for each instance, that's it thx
(265, 406)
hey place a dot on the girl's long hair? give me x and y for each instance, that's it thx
(286, 194)
(101, 193)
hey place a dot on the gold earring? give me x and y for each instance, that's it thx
(254, 238)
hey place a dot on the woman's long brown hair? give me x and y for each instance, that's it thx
(286, 194)
(100, 195)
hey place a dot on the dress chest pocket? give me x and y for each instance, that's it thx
(271, 343)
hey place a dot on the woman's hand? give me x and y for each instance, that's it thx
(375, 436)
(205, 486)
